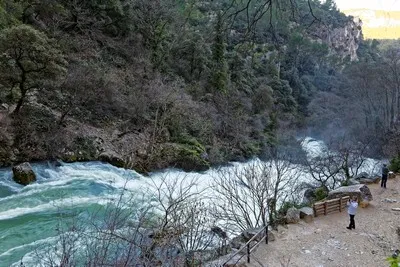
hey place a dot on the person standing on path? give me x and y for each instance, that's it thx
(385, 172)
(352, 206)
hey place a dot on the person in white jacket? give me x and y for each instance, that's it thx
(352, 206)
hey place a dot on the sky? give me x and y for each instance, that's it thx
(389, 5)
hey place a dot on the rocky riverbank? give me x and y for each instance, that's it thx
(74, 141)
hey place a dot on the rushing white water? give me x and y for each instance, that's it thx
(317, 148)
(29, 215)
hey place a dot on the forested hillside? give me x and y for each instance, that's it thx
(147, 84)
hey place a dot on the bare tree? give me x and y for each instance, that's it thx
(338, 162)
(244, 194)
(117, 234)
(184, 213)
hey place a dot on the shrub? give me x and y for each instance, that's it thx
(290, 204)
(394, 261)
(320, 193)
(395, 164)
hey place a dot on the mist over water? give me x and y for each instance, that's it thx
(29, 216)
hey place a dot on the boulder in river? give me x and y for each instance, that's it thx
(23, 174)
(112, 158)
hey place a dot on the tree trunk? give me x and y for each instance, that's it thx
(22, 89)
(20, 100)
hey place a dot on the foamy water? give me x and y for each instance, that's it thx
(29, 215)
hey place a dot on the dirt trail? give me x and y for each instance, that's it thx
(327, 243)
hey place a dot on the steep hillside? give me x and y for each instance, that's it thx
(151, 84)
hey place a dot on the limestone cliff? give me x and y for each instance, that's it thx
(342, 41)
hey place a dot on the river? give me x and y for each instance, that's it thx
(30, 215)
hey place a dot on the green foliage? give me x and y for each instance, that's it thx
(192, 142)
(219, 75)
(7, 13)
(189, 156)
(395, 164)
(271, 129)
(320, 193)
(237, 78)
(394, 262)
(290, 204)
(28, 59)
(283, 95)
(190, 57)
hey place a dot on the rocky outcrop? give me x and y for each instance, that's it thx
(309, 196)
(250, 233)
(343, 41)
(365, 178)
(292, 215)
(112, 158)
(361, 191)
(307, 214)
(236, 261)
(23, 174)
(370, 180)
(240, 240)
(361, 175)
(353, 182)
(187, 156)
(313, 194)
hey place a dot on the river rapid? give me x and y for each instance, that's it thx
(30, 215)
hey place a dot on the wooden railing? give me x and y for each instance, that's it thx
(330, 206)
(249, 247)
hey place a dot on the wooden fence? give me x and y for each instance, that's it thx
(330, 206)
(249, 247)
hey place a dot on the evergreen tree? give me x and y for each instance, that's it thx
(27, 60)
(219, 75)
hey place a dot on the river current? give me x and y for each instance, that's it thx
(29, 216)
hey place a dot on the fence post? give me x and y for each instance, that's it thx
(340, 204)
(248, 253)
(325, 208)
(315, 210)
(266, 234)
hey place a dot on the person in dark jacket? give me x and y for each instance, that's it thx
(385, 172)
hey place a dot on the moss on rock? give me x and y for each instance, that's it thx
(113, 159)
(189, 156)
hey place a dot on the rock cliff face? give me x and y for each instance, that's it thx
(343, 41)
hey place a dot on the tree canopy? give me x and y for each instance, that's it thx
(28, 60)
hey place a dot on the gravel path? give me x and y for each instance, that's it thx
(327, 243)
